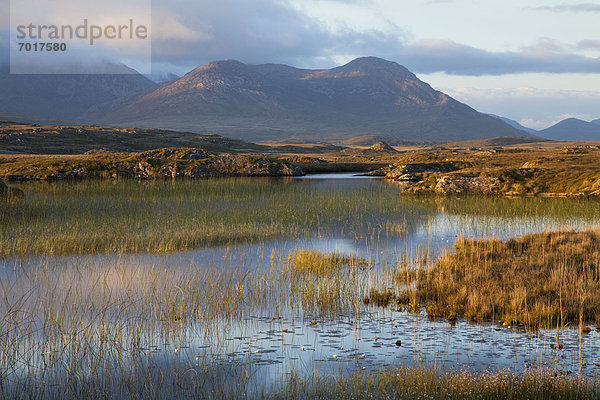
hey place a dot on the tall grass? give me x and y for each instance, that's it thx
(159, 216)
(325, 283)
(428, 382)
(540, 280)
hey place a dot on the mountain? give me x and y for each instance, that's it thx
(368, 96)
(596, 121)
(515, 124)
(572, 129)
(65, 98)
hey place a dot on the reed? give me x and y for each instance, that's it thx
(429, 382)
(545, 280)
(163, 216)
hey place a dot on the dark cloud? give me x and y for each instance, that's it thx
(457, 59)
(580, 7)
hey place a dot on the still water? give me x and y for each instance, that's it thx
(266, 344)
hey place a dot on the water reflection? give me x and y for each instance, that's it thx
(264, 344)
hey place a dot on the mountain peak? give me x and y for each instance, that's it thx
(374, 66)
(572, 121)
(368, 95)
(222, 64)
(572, 129)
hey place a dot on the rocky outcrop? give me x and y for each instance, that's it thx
(399, 172)
(460, 184)
(410, 169)
(192, 163)
(383, 147)
(160, 163)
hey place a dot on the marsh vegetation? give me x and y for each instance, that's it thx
(254, 288)
(546, 280)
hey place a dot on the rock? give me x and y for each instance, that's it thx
(382, 146)
(378, 172)
(529, 165)
(144, 170)
(461, 184)
(78, 173)
(575, 150)
(98, 151)
(169, 171)
(124, 170)
(197, 172)
(400, 170)
(293, 170)
(408, 178)
(229, 164)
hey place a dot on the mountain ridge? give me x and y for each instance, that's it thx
(65, 97)
(368, 95)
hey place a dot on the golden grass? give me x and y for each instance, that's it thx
(324, 282)
(428, 382)
(315, 262)
(541, 280)
(537, 170)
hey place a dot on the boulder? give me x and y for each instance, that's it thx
(124, 170)
(383, 146)
(410, 169)
(408, 178)
(169, 171)
(461, 184)
(144, 170)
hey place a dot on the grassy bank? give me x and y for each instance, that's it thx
(548, 280)
(430, 383)
(561, 170)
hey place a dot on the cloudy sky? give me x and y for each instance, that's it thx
(535, 61)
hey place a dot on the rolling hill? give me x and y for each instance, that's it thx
(572, 129)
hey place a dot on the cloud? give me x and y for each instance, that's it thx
(190, 34)
(429, 56)
(589, 44)
(580, 7)
(255, 32)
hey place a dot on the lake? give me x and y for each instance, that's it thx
(154, 287)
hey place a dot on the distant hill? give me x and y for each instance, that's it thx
(368, 96)
(64, 98)
(596, 121)
(572, 129)
(22, 138)
(515, 124)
